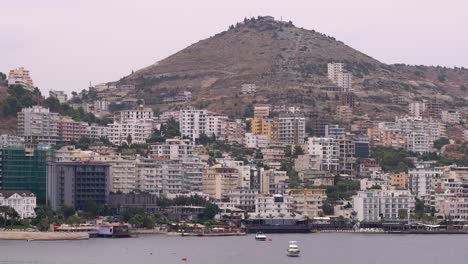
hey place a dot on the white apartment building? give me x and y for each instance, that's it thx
(291, 130)
(451, 117)
(139, 131)
(243, 199)
(172, 178)
(307, 202)
(218, 181)
(248, 88)
(324, 153)
(95, 131)
(149, 175)
(255, 141)
(334, 69)
(389, 205)
(61, 96)
(275, 205)
(23, 202)
(243, 170)
(20, 76)
(214, 124)
(9, 140)
(343, 80)
(136, 114)
(193, 123)
(193, 170)
(453, 206)
(38, 125)
(173, 149)
(418, 142)
(102, 106)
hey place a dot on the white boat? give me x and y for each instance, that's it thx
(293, 249)
(260, 236)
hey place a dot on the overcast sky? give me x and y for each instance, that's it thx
(66, 44)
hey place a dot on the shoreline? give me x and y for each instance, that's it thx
(42, 236)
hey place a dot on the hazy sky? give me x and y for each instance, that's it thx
(66, 44)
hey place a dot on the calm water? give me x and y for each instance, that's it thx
(316, 248)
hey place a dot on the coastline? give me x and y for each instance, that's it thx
(42, 236)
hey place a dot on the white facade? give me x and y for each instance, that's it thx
(376, 205)
(193, 123)
(344, 80)
(243, 198)
(421, 180)
(96, 132)
(122, 172)
(273, 205)
(139, 131)
(149, 176)
(255, 141)
(38, 125)
(9, 140)
(324, 153)
(334, 69)
(173, 149)
(23, 202)
(451, 117)
(291, 130)
(214, 125)
(416, 108)
(136, 114)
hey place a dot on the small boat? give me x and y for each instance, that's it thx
(260, 236)
(293, 249)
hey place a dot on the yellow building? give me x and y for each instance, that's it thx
(261, 126)
(218, 181)
(400, 180)
(308, 202)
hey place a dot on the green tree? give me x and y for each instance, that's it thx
(129, 139)
(249, 111)
(298, 151)
(439, 143)
(90, 208)
(462, 88)
(328, 209)
(210, 211)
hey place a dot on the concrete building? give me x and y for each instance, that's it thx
(291, 130)
(96, 132)
(243, 199)
(276, 205)
(25, 169)
(232, 131)
(255, 141)
(23, 202)
(219, 181)
(20, 76)
(262, 110)
(148, 175)
(400, 180)
(214, 124)
(130, 132)
(172, 149)
(307, 202)
(38, 125)
(452, 206)
(71, 130)
(172, 178)
(61, 96)
(344, 80)
(324, 153)
(451, 117)
(345, 113)
(193, 123)
(387, 205)
(334, 69)
(122, 172)
(136, 114)
(11, 141)
(75, 183)
(262, 127)
(248, 88)
(273, 181)
(416, 109)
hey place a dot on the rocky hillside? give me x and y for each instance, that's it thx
(288, 65)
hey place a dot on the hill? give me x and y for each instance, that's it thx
(288, 65)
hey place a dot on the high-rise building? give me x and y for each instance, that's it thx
(324, 153)
(291, 130)
(172, 149)
(377, 205)
(193, 122)
(38, 125)
(25, 169)
(71, 130)
(219, 181)
(76, 183)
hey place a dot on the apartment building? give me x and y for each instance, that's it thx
(451, 117)
(324, 153)
(262, 110)
(123, 176)
(21, 76)
(136, 114)
(275, 205)
(193, 122)
(387, 205)
(291, 130)
(129, 132)
(273, 181)
(172, 149)
(255, 141)
(218, 181)
(232, 131)
(95, 132)
(71, 130)
(75, 183)
(243, 198)
(307, 202)
(214, 124)
(38, 125)
(10, 141)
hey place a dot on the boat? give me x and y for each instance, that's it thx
(293, 249)
(260, 236)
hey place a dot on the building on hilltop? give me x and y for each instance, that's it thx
(20, 76)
